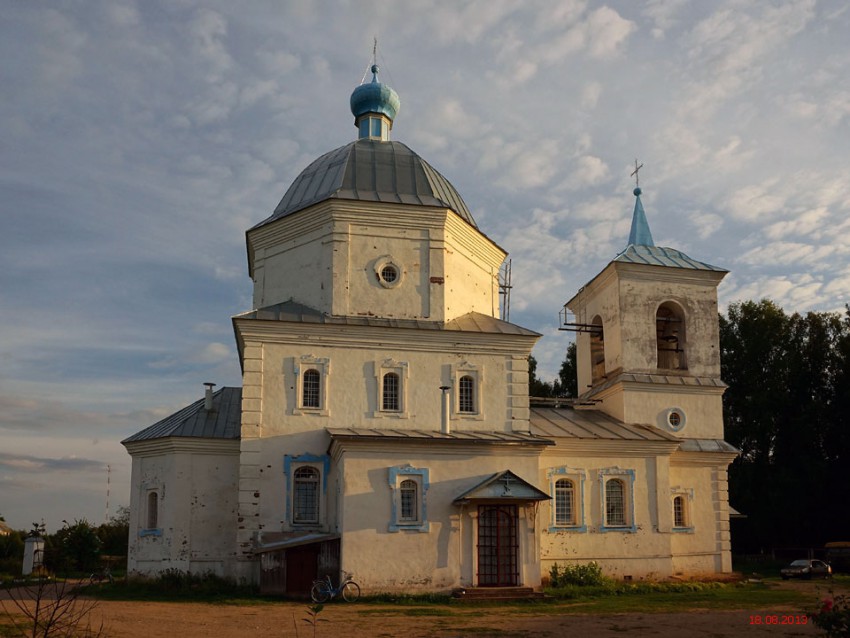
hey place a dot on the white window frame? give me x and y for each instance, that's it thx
(627, 477)
(577, 476)
(687, 496)
(396, 477)
(291, 464)
(476, 373)
(383, 368)
(299, 367)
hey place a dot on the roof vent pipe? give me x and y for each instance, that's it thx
(208, 396)
(446, 423)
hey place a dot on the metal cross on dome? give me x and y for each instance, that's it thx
(635, 173)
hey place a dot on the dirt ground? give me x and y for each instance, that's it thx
(368, 620)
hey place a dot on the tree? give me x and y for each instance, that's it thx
(114, 535)
(536, 387)
(74, 548)
(567, 383)
(786, 409)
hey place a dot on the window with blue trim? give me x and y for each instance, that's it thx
(617, 497)
(566, 486)
(681, 503)
(408, 486)
(306, 489)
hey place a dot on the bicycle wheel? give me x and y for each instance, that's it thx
(319, 593)
(350, 591)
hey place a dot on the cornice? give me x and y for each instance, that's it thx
(191, 445)
(381, 337)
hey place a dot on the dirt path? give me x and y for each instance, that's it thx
(367, 620)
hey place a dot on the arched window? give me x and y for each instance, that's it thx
(670, 337)
(305, 495)
(615, 503)
(564, 502)
(597, 351)
(409, 500)
(311, 393)
(391, 401)
(153, 510)
(680, 517)
(466, 394)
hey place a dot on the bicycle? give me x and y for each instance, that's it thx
(323, 590)
(100, 576)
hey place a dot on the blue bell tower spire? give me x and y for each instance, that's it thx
(640, 234)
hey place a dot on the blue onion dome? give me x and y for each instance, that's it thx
(374, 97)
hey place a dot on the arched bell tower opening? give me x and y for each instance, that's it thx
(597, 351)
(670, 337)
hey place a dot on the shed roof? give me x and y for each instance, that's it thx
(431, 436)
(222, 422)
(471, 322)
(567, 422)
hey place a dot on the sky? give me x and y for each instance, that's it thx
(140, 140)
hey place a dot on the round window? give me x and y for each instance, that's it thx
(676, 419)
(389, 273)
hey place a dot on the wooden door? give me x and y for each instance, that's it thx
(497, 546)
(302, 565)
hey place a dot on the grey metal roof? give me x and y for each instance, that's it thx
(566, 422)
(659, 256)
(504, 486)
(375, 171)
(222, 422)
(471, 322)
(657, 379)
(295, 540)
(431, 436)
(708, 445)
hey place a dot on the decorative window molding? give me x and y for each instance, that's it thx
(408, 511)
(311, 385)
(566, 486)
(306, 490)
(391, 383)
(682, 500)
(388, 271)
(468, 395)
(617, 496)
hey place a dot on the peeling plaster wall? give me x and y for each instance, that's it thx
(196, 510)
(442, 557)
(329, 256)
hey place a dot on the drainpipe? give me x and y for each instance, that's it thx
(208, 406)
(446, 422)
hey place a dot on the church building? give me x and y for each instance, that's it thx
(384, 426)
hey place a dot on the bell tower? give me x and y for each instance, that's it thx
(648, 342)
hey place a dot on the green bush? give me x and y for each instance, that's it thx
(586, 575)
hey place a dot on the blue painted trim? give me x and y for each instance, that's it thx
(288, 461)
(150, 532)
(424, 476)
(683, 530)
(618, 473)
(571, 473)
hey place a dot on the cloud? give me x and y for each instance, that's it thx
(35, 464)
